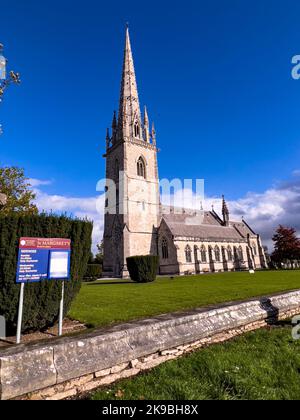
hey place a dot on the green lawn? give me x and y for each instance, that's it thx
(107, 302)
(263, 365)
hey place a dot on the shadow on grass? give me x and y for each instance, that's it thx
(286, 323)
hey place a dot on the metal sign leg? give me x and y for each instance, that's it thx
(20, 314)
(61, 310)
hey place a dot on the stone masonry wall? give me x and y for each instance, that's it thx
(70, 366)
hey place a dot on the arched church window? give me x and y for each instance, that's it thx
(165, 249)
(203, 254)
(136, 129)
(241, 254)
(188, 254)
(223, 252)
(254, 249)
(229, 253)
(141, 167)
(196, 249)
(210, 254)
(217, 254)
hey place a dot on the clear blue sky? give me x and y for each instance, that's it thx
(216, 76)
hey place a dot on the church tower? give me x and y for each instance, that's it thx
(132, 198)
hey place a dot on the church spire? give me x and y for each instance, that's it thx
(108, 139)
(114, 128)
(225, 212)
(153, 134)
(146, 126)
(129, 123)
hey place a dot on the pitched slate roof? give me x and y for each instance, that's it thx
(242, 228)
(204, 225)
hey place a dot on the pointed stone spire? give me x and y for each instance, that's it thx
(146, 118)
(225, 212)
(129, 123)
(146, 126)
(108, 139)
(153, 134)
(114, 121)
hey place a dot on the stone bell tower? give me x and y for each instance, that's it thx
(132, 198)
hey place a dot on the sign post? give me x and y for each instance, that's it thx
(20, 313)
(61, 310)
(42, 259)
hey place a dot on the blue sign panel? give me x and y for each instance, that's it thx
(32, 265)
(42, 259)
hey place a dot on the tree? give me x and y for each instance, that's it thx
(100, 254)
(17, 188)
(286, 245)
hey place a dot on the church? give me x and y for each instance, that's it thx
(136, 223)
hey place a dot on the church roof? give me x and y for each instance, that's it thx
(204, 225)
(242, 228)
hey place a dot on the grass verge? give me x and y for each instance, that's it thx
(262, 365)
(109, 302)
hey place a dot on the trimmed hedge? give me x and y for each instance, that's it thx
(41, 300)
(143, 269)
(93, 272)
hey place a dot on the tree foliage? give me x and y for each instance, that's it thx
(17, 188)
(286, 245)
(100, 254)
(143, 269)
(93, 272)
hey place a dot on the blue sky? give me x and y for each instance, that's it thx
(215, 75)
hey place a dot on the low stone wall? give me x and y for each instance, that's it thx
(69, 366)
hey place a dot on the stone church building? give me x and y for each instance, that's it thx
(187, 241)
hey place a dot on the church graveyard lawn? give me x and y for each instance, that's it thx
(262, 365)
(107, 302)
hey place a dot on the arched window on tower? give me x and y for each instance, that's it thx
(136, 130)
(203, 254)
(141, 168)
(164, 249)
(217, 254)
(188, 254)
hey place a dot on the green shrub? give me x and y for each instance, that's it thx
(93, 272)
(41, 300)
(143, 269)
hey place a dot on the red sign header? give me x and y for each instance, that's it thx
(44, 243)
